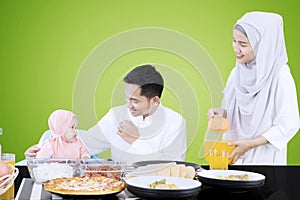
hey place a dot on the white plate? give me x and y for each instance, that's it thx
(218, 174)
(144, 181)
(139, 187)
(216, 178)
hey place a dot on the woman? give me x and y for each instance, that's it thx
(260, 98)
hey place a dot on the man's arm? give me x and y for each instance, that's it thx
(172, 145)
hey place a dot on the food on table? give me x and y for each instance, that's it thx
(162, 184)
(107, 171)
(190, 172)
(182, 171)
(4, 169)
(85, 185)
(164, 169)
(175, 171)
(48, 171)
(158, 169)
(243, 177)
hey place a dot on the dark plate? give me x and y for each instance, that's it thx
(213, 178)
(138, 186)
(144, 163)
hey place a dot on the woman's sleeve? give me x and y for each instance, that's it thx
(286, 122)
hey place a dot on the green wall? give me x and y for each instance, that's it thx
(73, 55)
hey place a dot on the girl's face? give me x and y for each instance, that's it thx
(242, 48)
(71, 134)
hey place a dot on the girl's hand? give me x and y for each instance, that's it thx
(31, 152)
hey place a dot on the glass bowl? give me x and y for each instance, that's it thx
(42, 170)
(102, 167)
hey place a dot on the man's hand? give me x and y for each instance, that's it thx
(31, 152)
(128, 131)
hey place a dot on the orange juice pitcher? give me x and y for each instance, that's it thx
(219, 146)
(213, 139)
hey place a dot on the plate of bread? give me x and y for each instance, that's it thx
(164, 168)
(163, 179)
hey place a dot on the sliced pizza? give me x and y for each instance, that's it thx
(84, 185)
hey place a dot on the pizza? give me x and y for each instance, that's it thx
(84, 185)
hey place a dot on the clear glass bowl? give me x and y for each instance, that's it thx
(42, 170)
(102, 167)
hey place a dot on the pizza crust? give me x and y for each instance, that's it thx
(84, 186)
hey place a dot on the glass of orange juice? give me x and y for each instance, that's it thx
(218, 159)
(9, 158)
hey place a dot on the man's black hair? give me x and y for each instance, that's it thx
(150, 80)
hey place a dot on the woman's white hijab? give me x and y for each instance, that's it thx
(246, 97)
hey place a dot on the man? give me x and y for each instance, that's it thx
(141, 130)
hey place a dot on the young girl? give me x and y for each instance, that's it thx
(64, 142)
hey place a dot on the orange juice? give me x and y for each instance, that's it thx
(218, 159)
(218, 145)
(9, 159)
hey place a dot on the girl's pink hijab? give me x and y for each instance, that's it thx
(60, 121)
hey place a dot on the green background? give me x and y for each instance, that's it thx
(44, 45)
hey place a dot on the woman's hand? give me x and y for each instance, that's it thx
(216, 111)
(242, 146)
(31, 152)
(128, 131)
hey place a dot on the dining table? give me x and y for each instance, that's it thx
(281, 182)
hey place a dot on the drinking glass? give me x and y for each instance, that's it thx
(218, 159)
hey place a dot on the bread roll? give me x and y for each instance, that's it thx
(159, 169)
(175, 171)
(166, 171)
(182, 170)
(190, 172)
